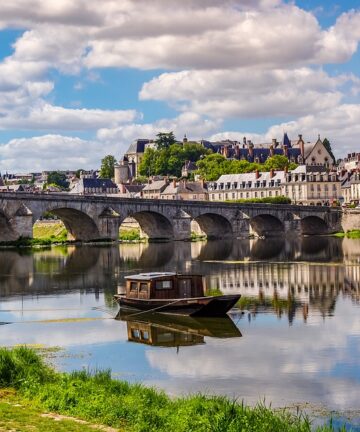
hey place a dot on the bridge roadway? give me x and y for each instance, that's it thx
(99, 217)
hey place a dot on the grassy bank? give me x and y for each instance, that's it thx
(130, 235)
(97, 398)
(354, 234)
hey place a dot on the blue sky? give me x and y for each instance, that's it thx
(79, 79)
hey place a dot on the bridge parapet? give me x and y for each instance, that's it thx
(94, 217)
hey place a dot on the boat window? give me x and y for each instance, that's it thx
(133, 286)
(165, 284)
(143, 287)
(135, 333)
(145, 335)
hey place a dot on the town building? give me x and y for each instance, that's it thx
(185, 190)
(246, 186)
(350, 187)
(136, 151)
(188, 168)
(306, 185)
(155, 188)
(297, 151)
(350, 163)
(94, 186)
(311, 185)
(129, 190)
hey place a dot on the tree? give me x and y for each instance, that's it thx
(58, 179)
(165, 140)
(327, 145)
(277, 162)
(107, 167)
(170, 160)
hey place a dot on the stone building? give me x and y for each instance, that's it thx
(350, 163)
(124, 171)
(306, 185)
(245, 186)
(311, 185)
(350, 187)
(155, 188)
(185, 190)
(95, 186)
(136, 151)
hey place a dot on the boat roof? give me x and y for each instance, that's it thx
(150, 276)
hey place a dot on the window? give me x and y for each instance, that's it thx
(143, 287)
(133, 286)
(165, 284)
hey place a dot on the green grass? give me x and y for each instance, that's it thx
(97, 398)
(17, 414)
(354, 234)
(130, 235)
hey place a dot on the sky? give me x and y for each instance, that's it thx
(80, 79)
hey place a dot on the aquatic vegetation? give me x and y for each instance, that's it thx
(99, 398)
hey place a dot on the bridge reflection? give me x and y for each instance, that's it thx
(296, 278)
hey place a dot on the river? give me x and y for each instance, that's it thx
(295, 342)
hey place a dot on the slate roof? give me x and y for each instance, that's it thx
(155, 185)
(138, 146)
(185, 187)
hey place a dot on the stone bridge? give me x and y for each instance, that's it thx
(99, 217)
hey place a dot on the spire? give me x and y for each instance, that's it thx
(286, 141)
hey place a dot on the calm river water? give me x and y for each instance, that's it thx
(296, 340)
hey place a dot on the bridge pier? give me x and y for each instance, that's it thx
(182, 226)
(241, 227)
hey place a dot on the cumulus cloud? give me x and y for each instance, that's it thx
(185, 123)
(339, 124)
(49, 117)
(247, 93)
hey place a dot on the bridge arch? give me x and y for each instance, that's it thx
(266, 225)
(213, 225)
(6, 231)
(154, 225)
(79, 225)
(313, 225)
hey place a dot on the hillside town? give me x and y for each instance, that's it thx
(309, 176)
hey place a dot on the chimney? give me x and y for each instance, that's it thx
(286, 169)
(244, 141)
(274, 142)
(174, 183)
(286, 150)
(257, 174)
(272, 150)
(272, 173)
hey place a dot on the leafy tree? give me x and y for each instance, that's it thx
(107, 167)
(165, 140)
(327, 145)
(277, 162)
(170, 160)
(58, 179)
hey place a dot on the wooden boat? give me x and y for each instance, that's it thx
(172, 293)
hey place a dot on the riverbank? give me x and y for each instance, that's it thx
(98, 399)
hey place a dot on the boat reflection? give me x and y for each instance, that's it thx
(175, 331)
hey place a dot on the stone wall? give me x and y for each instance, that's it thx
(351, 219)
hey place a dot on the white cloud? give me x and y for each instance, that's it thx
(186, 123)
(247, 92)
(49, 117)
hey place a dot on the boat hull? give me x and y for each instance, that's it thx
(200, 306)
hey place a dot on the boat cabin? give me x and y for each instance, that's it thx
(156, 335)
(160, 286)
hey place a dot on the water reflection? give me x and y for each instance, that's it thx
(312, 284)
(175, 330)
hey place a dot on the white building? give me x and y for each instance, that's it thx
(306, 185)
